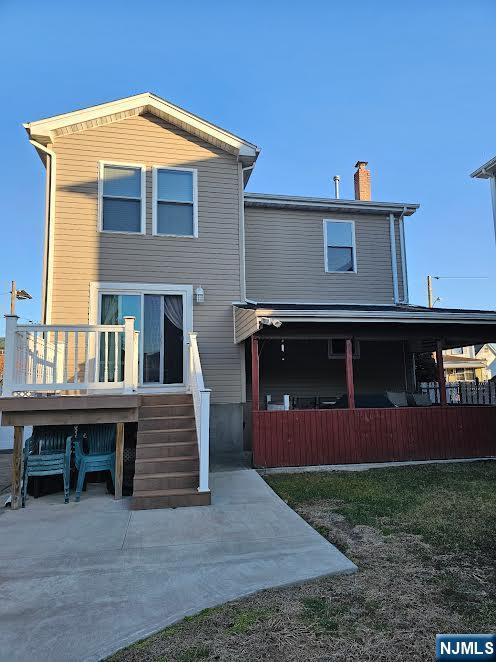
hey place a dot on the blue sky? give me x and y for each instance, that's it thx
(408, 86)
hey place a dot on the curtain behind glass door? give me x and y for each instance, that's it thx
(113, 310)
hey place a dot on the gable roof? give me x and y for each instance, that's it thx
(46, 130)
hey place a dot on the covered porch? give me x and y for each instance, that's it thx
(334, 385)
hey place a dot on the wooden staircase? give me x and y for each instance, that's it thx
(167, 464)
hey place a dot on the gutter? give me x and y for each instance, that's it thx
(49, 230)
(375, 316)
(298, 202)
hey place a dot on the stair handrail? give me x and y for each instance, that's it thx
(201, 403)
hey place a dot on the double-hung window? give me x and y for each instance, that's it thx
(340, 246)
(122, 198)
(175, 210)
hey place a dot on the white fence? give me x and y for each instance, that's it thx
(53, 358)
(463, 393)
(201, 401)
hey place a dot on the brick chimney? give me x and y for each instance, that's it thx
(362, 181)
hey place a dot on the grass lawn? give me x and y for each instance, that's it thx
(424, 540)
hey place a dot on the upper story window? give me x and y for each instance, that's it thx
(339, 246)
(122, 198)
(175, 208)
(457, 350)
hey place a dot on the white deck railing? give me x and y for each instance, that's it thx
(65, 357)
(201, 401)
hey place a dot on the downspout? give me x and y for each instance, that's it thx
(49, 231)
(242, 251)
(401, 227)
(394, 262)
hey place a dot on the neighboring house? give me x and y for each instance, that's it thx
(256, 296)
(487, 353)
(488, 171)
(466, 364)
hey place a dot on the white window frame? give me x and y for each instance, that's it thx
(342, 355)
(353, 247)
(155, 201)
(98, 288)
(101, 167)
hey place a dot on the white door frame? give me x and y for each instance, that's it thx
(98, 288)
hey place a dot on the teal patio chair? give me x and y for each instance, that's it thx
(100, 455)
(47, 453)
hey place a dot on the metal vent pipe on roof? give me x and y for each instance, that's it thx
(336, 179)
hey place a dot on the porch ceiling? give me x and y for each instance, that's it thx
(420, 327)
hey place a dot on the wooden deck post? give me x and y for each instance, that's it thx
(119, 459)
(440, 373)
(255, 388)
(350, 386)
(17, 467)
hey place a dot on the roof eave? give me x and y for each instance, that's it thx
(485, 171)
(336, 204)
(43, 130)
(458, 317)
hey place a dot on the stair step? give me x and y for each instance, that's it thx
(166, 436)
(169, 499)
(166, 399)
(166, 481)
(159, 449)
(166, 423)
(152, 465)
(163, 411)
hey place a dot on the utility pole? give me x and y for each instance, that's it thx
(429, 291)
(430, 297)
(13, 296)
(17, 294)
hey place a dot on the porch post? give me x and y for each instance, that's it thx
(130, 359)
(255, 391)
(255, 375)
(350, 386)
(440, 373)
(17, 467)
(9, 369)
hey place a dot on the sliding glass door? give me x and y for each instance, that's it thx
(163, 339)
(160, 320)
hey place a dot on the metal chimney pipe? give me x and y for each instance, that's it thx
(337, 179)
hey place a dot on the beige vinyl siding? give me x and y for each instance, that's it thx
(245, 323)
(285, 258)
(82, 254)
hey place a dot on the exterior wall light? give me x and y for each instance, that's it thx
(200, 294)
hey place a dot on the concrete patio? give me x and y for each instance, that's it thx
(80, 581)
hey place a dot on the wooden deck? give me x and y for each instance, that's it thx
(347, 436)
(70, 409)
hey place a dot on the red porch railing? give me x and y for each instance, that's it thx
(348, 436)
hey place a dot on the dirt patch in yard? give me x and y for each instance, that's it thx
(413, 583)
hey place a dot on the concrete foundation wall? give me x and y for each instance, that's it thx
(226, 429)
